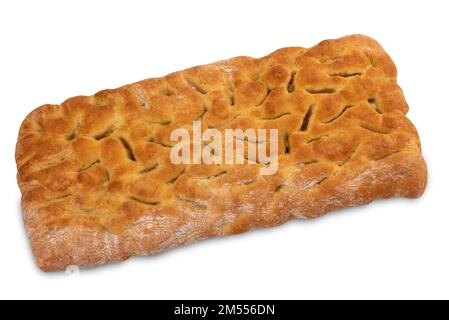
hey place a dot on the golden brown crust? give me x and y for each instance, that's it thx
(98, 185)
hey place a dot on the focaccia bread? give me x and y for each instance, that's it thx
(98, 185)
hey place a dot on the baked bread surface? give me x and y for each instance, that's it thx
(98, 185)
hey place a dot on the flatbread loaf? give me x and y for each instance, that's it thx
(98, 185)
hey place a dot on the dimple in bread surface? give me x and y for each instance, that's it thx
(98, 185)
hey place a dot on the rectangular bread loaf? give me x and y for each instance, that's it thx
(98, 184)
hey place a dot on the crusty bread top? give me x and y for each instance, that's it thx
(103, 161)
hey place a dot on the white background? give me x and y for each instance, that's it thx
(52, 50)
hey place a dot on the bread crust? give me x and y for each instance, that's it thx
(97, 182)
